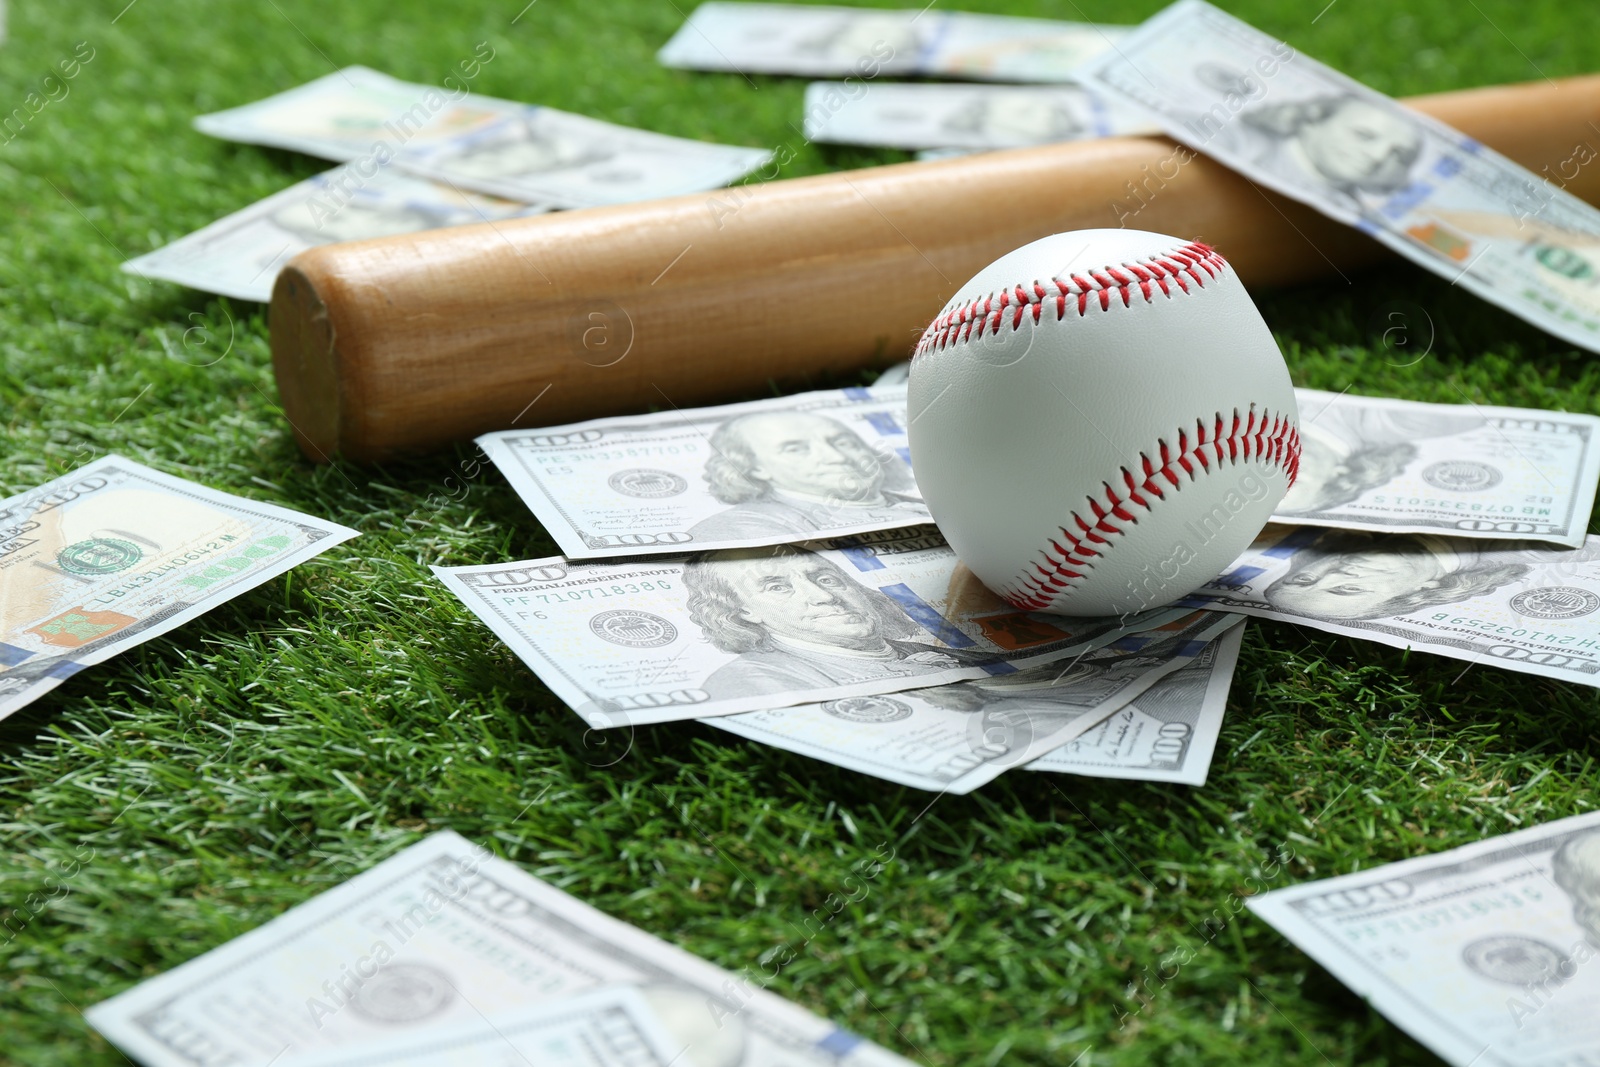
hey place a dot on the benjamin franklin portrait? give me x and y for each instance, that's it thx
(1350, 449)
(793, 474)
(859, 35)
(355, 221)
(1348, 575)
(1006, 119)
(798, 622)
(521, 146)
(1576, 869)
(1341, 145)
(1350, 144)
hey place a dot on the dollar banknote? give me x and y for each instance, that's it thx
(115, 554)
(818, 464)
(639, 641)
(1487, 954)
(518, 151)
(1167, 733)
(774, 471)
(1495, 603)
(240, 255)
(954, 738)
(610, 1027)
(1427, 191)
(1464, 470)
(445, 936)
(826, 41)
(929, 115)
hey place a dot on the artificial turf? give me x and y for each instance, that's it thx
(160, 804)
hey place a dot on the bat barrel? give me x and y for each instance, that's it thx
(406, 343)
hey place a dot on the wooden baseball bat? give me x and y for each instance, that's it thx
(405, 343)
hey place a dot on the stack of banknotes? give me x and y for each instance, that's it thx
(770, 569)
(419, 157)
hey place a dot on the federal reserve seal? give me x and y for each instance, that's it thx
(1555, 602)
(1461, 475)
(647, 483)
(868, 709)
(635, 629)
(403, 993)
(99, 555)
(1516, 960)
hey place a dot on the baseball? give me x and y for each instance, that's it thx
(1100, 421)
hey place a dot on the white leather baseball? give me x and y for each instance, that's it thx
(1101, 421)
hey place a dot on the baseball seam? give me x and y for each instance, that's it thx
(1194, 264)
(1264, 438)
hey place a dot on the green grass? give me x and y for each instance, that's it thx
(213, 778)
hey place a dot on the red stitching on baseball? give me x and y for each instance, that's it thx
(985, 314)
(1261, 437)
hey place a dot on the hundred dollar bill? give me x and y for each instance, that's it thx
(1167, 733)
(442, 937)
(611, 1027)
(1486, 954)
(954, 738)
(115, 554)
(518, 151)
(1492, 602)
(1427, 191)
(793, 468)
(1467, 471)
(819, 464)
(824, 41)
(240, 255)
(656, 640)
(928, 115)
